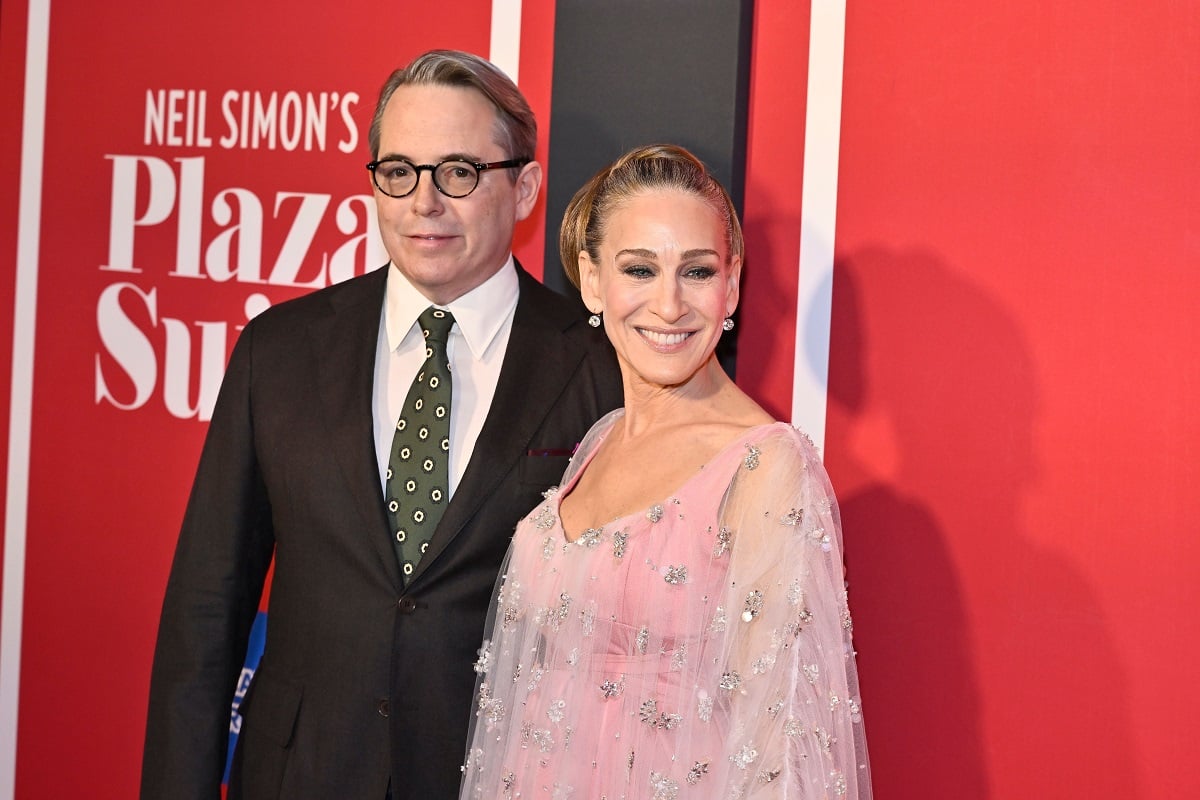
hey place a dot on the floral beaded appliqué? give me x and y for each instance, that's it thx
(751, 460)
(590, 537)
(664, 788)
(619, 539)
(724, 542)
(490, 708)
(743, 758)
(485, 657)
(676, 575)
(650, 715)
(643, 637)
(611, 689)
(793, 517)
(544, 519)
(754, 605)
(730, 681)
(698, 771)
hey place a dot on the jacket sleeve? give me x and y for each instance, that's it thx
(221, 561)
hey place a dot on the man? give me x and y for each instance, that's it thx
(365, 686)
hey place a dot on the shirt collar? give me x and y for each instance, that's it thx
(479, 314)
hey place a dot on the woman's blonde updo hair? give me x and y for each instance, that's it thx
(656, 166)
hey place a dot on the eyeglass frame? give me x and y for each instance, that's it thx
(479, 166)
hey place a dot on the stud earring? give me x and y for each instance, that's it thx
(594, 320)
(727, 325)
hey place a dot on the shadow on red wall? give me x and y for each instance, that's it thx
(930, 445)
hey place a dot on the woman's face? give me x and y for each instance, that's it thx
(665, 284)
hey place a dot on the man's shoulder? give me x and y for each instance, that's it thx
(367, 288)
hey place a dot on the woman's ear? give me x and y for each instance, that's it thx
(733, 291)
(589, 283)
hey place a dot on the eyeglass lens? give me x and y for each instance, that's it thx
(397, 177)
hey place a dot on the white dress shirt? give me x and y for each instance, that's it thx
(482, 324)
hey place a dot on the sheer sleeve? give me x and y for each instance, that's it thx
(783, 631)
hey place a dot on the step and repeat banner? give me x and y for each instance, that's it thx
(201, 161)
(971, 273)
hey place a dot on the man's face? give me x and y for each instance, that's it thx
(448, 246)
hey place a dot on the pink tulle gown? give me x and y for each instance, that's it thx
(699, 648)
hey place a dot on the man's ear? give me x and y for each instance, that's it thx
(529, 183)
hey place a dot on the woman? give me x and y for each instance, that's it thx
(671, 622)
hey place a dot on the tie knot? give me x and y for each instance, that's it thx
(435, 324)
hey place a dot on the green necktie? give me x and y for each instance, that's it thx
(419, 468)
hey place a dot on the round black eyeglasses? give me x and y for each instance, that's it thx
(398, 177)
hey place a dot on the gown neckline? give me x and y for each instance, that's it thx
(566, 488)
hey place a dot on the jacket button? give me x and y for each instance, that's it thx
(407, 605)
(382, 708)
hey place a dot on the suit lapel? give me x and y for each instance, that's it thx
(536, 368)
(343, 343)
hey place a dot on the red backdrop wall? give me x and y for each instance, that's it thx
(1011, 423)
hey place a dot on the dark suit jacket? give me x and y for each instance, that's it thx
(362, 679)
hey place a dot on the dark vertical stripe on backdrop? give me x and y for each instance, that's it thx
(630, 72)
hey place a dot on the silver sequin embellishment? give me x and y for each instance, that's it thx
(754, 604)
(485, 657)
(612, 689)
(650, 715)
(839, 782)
(543, 739)
(719, 622)
(855, 710)
(490, 708)
(704, 707)
(730, 681)
(619, 539)
(795, 593)
(590, 537)
(509, 617)
(679, 658)
(587, 621)
(724, 541)
(655, 513)
(793, 517)
(544, 519)
(643, 637)
(676, 575)
(555, 711)
(744, 757)
(751, 460)
(664, 788)
(698, 771)
(766, 776)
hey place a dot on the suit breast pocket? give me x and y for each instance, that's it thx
(540, 472)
